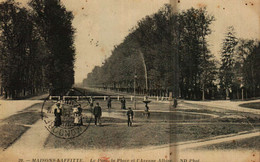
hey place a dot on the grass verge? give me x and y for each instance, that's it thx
(10, 133)
(114, 136)
(252, 105)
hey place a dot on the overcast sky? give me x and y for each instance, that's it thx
(102, 24)
(105, 21)
(109, 21)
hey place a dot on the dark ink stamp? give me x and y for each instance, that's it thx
(64, 117)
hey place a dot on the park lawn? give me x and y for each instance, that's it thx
(252, 105)
(207, 111)
(115, 136)
(110, 120)
(180, 133)
(248, 144)
(27, 118)
(10, 133)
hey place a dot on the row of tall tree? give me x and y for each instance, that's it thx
(169, 52)
(239, 70)
(36, 48)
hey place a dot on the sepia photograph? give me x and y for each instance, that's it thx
(129, 81)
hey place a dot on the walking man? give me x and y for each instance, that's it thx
(109, 102)
(97, 113)
(175, 103)
(130, 116)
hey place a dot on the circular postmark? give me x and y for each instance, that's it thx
(66, 118)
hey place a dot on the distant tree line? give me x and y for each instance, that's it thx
(169, 52)
(36, 48)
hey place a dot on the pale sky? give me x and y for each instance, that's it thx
(105, 21)
(109, 21)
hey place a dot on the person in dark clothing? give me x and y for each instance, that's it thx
(80, 109)
(109, 102)
(123, 103)
(57, 113)
(175, 103)
(130, 116)
(97, 113)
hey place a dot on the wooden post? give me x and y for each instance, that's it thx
(242, 94)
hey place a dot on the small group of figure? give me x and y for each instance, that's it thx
(109, 103)
(77, 111)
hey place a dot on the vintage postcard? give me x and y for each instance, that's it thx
(129, 81)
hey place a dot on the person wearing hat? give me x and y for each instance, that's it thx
(130, 116)
(57, 113)
(97, 113)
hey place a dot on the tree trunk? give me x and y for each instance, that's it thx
(203, 92)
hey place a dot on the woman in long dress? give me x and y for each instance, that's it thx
(57, 113)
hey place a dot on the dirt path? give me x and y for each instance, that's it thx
(227, 105)
(216, 141)
(10, 107)
(33, 138)
(40, 97)
(210, 141)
